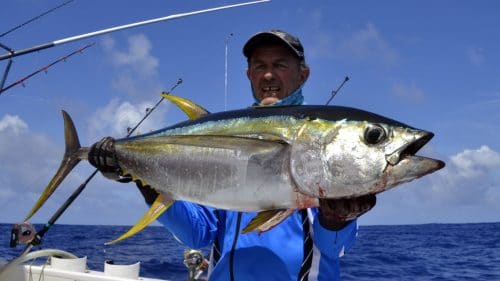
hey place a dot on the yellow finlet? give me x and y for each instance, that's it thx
(266, 220)
(192, 110)
(160, 205)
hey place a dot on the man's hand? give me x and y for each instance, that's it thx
(334, 214)
(102, 156)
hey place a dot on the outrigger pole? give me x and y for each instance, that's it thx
(14, 53)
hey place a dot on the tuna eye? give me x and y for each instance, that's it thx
(375, 134)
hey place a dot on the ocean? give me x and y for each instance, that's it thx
(399, 252)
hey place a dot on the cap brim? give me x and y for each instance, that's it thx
(267, 38)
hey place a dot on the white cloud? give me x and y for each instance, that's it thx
(474, 164)
(364, 44)
(12, 124)
(475, 56)
(466, 190)
(368, 43)
(114, 119)
(24, 155)
(28, 161)
(136, 68)
(471, 177)
(408, 92)
(137, 75)
(136, 56)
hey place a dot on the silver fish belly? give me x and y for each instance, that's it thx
(235, 173)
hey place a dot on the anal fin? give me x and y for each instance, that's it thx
(266, 220)
(160, 205)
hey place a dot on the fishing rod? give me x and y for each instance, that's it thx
(45, 68)
(33, 238)
(121, 27)
(35, 18)
(11, 51)
(334, 92)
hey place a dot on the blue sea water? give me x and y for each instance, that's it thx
(402, 252)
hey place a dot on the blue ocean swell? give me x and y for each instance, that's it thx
(403, 252)
(425, 252)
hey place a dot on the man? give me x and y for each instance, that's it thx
(305, 246)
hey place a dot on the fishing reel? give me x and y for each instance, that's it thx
(23, 233)
(195, 262)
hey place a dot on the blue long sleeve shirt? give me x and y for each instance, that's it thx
(299, 248)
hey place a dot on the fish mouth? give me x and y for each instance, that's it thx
(405, 166)
(411, 167)
(410, 149)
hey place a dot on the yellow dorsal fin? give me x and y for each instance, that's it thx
(160, 205)
(192, 110)
(266, 220)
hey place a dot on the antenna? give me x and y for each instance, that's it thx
(334, 92)
(225, 71)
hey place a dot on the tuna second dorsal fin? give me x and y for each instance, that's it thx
(192, 110)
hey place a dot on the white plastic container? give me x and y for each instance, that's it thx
(130, 271)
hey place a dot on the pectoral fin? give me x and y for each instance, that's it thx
(160, 205)
(266, 220)
(192, 110)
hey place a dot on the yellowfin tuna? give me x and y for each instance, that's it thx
(265, 159)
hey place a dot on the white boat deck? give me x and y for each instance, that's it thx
(69, 269)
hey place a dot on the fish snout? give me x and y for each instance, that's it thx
(420, 139)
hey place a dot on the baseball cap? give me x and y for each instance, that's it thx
(274, 36)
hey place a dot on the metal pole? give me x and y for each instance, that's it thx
(225, 72)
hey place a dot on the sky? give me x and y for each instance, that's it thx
(433, 65)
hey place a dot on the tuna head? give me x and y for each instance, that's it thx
(350, 158)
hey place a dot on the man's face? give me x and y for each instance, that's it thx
(275, 73)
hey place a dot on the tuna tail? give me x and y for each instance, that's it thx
(70, 160)
(162, 202)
